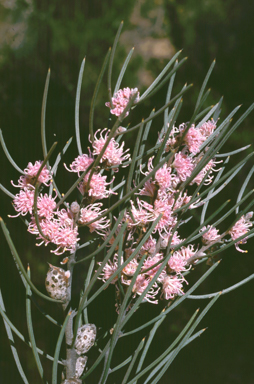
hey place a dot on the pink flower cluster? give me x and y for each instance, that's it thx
(121, 99)
(114, 154)
(169, 282)
(240, 228)
(60, 227)
(166, 257)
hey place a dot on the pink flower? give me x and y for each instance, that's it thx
(30, 174)
(181, 200)
(148, 189)
(109, 269)
(177, 263)
(183, 165)
(97, 187)
(209, 178)
(121, 99)
(130, 268)
(163, 177)
(240, 228)
(46, 205)
(62, 233)
(23, 202)
(174, 241)
(211, 235)
(172, 138)
(80, 164)
(149, 246)
(140, 285)
(207, 128)
(150, 262)
(186, 252)
(141, 215)
(114, 154)
(91, 212)
(172, 286)
(194, 139)
(168, 220)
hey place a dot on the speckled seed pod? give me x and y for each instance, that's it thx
(85, 339)
(57, 282)
(80, 366)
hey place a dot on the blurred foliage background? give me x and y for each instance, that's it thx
(36, 35)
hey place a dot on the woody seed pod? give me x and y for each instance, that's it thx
(57, 282)
(85, 338)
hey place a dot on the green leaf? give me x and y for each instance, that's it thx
(12, 344)
(77, 103)
(15, 330)
(43, 116)
(244, 187)
(111, 62)
(121, 75)
(175, 303)
(88, 278)
(7, 154)
(8, 193)
(134, 157)
(160, 76)
(20, 265)
(95, 94)
(148, 343)
(180, 346)
(133, 361)
(151, 117)
(165, 353)
(30, 330)
(58, 347)
(204, 85)
(223, 291)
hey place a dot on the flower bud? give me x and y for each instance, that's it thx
(75, 207)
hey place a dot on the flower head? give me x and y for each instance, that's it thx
(194, 139)
(91, 212)
(80, 164)
(23, 202)
(121, 99)
(183, 165)
(240, 228)
(172, 286)
(97, 186)
(211, 235)
(114, 154)
(31, 172)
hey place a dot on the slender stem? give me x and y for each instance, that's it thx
(71, 355)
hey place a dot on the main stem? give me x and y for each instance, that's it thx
(71, 354)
